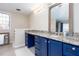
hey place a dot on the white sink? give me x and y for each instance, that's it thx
(56, 37)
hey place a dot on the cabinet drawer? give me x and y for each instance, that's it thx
(40, 46)
(70, 50)
(37, 51)
(37, 39)
(37, 45)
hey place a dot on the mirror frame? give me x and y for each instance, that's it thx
(70, 16)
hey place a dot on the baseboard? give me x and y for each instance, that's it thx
(18, 46)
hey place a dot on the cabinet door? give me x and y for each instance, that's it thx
(54, 48)
(70, 50)
(30, 40)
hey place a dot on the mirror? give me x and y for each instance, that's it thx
(59, 18)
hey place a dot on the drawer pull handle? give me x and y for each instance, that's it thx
(73, 48)
(48, 41)
(36, 43)
(45, 41)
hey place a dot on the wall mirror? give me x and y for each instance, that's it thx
(60, 17)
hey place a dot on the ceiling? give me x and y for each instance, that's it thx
(26, 8)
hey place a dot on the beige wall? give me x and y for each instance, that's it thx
(17, 21)
(39, 19)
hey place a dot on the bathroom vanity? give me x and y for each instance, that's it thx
(49, 44)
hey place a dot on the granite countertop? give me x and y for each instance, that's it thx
(54, 36)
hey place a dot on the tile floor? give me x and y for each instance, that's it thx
(24, 51)
(8, 50)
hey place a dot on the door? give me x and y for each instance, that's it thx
(54, 48)
(70, 50)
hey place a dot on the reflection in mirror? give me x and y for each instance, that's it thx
(60, 18)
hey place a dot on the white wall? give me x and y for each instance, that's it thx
(17, 21)
(19, 38)
(39, 19)
(76, 17)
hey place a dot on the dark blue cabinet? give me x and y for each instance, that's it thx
(70, 50)
(50, 47)
(54, 48)
(40, 46)
(29, 40)
(47, 47)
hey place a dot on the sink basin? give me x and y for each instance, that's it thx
(56, 37)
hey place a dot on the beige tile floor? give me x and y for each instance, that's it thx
(8, 50)
(24, 51)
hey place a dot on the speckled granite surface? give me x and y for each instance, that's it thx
(54, 36)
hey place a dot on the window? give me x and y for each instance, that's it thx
(4, 22)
